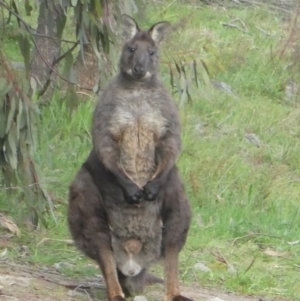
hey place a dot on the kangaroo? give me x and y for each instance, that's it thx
(127, 204)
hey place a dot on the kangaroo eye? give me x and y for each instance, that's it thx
(151, 52)
(132, 50)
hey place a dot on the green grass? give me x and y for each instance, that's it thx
(245, 199)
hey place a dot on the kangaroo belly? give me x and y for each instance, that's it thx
(142, 224)
(131, 264)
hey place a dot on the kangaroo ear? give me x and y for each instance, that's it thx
(158, 31)
(130, 27)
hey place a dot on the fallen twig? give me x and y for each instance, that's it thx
(253, 234)
(233, 26)
(88, 295)
(282, 6)
(230, 24)
(221, 258)
(264, 32)
(263, 3)
(251, 264)
(67, 241)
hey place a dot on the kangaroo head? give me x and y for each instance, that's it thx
(139, 58)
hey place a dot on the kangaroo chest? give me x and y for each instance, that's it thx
(138, 125)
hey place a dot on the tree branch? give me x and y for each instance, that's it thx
(27, 26)
(53, 38)
(29, 30)
(55, 61)
(55, 72)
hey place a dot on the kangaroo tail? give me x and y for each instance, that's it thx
(152, 279)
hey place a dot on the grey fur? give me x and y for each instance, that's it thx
(128, 198)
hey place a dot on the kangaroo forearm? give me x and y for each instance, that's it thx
(108, 152)
(163, 170)
(167, 152)
(167, 159)
(152, 188)
(110, 161)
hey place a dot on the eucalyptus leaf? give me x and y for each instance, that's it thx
(11, 114)
(194, 69)
(12, 139)
(60, 25)
(95, 44)
(33, 84)
(19, 119)
(74, 2)
(18, 127)
(15, 8)
(11, 158)
(5, 89)
(177, 67)
(28, 7)
(25, 50)
(205, 74)
(105, 40)
(2, 124)
(98, 8)
(171, 78)
(69, 60)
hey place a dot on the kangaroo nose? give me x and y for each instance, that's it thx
(139, 69)
(131, 272)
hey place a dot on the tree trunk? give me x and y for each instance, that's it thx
(86, 71)
(47, 47)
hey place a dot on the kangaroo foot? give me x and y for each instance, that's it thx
(118, 298)
(181, 298)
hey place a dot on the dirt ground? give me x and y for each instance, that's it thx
(27, 283)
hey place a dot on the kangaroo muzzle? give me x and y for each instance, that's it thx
(139, 71)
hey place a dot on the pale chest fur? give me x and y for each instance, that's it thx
(137, 126)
